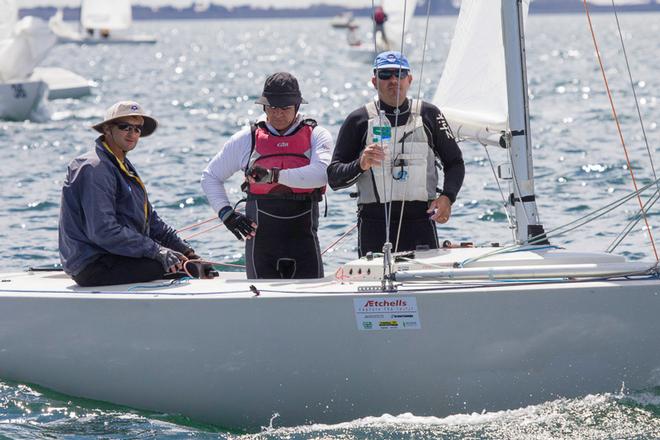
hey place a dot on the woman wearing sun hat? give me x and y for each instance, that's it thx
(108, 231)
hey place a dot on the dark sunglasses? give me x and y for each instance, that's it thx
(277, 107)
(124, 126)
(387, 74)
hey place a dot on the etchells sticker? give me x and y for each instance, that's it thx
(393, 313)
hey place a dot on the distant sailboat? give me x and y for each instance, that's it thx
(63, 83)
(23, 44)
(399, 13)
(101, 22)
(201, 5)
(343, 20)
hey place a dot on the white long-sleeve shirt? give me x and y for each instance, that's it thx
(235, 154)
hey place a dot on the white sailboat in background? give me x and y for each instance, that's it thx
(399, 15)
(101, 22)
(343, 20)
(201, 5)
(23, 45)
(63, 83)
(447, 331)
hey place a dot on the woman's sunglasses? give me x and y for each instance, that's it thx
(387, 74)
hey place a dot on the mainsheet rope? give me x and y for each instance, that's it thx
(345, 234)
(618, 126)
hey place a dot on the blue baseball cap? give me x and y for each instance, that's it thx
(391, 60)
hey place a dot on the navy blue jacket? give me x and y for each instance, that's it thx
(103, 212)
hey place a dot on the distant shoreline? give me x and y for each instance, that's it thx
(439, 7)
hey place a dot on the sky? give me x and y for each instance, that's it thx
(259, 3)
(226, 3)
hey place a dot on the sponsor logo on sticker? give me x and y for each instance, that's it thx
(402, 316)
(367, 324)
(386, 303)
(388, 324)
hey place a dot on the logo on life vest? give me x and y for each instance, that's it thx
(282, 144)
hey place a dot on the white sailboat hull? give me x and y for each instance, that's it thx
(216, 352)
(62, 83)
(19, 99)
(113, 39)
(67, 34)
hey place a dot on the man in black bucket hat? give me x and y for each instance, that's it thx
(284, 157)
(108, 231)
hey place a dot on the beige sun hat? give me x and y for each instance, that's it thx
(122, 109)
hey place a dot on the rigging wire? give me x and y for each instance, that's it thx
(344, 235)
(632, 223)
(654, 198)
(566, 228)
(632, 87)
(388, 221)
(387, 205)
(383, 168)
(618, 125)
(419, 94)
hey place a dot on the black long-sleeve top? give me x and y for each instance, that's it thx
(344, 169)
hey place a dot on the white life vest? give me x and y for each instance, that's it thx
(409, 165)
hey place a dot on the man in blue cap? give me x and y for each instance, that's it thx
(401, 170)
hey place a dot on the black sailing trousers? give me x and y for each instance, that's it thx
(417, 229)
(113, 269)
(286, 244)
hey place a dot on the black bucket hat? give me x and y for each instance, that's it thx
(281, 90)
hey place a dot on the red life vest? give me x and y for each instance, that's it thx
(283, 152)
(379, 15)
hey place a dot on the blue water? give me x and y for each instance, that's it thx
(200, 80)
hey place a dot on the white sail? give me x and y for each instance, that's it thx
(25, 49)
(472, 91)
(8, 17)
(103, 14)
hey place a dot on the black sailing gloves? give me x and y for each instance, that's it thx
(239, 224)
(263, 175)
(171, 260)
